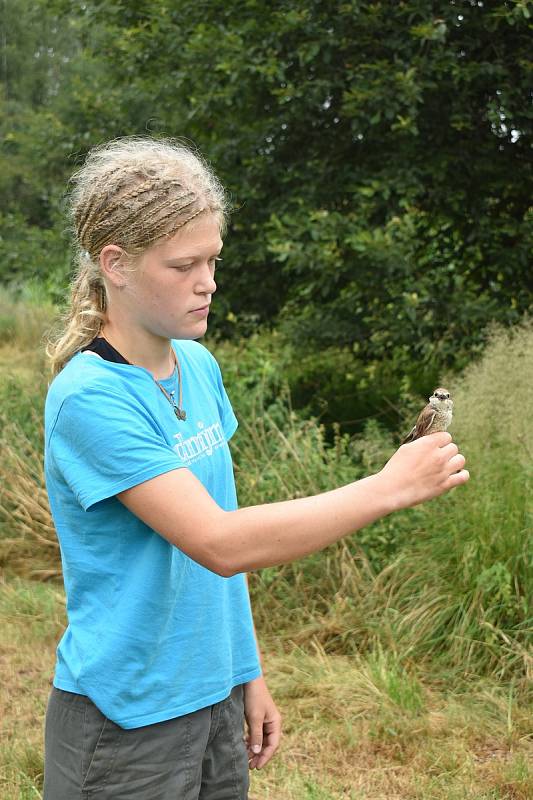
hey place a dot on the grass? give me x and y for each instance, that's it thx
(450, 581)
(355, 727)
(31, 615)
(349, 733)
(400, 657)
(28, 544)
(24, 319)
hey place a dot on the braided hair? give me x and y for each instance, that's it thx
(130, 192)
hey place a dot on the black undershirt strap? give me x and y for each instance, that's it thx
(101, 347)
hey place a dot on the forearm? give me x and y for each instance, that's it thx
(266, 535)
(179, 507)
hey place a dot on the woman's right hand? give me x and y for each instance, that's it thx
(423, 469)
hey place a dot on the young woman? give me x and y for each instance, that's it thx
(158, 668)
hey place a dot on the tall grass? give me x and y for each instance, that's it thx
(457, 585)
(24, 318)
(449, 581)
(467, 578)
(400, 657)
(28, 543)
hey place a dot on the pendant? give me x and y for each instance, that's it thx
(180, 413)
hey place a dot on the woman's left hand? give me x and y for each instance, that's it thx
(264, 723)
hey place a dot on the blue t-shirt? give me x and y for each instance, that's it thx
(151, 634)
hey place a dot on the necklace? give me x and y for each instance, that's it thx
(178, 410)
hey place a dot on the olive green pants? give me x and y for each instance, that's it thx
(200, 756)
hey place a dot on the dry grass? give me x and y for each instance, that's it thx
(31, 619)
(25, 320)
(494, 394)
(356, 728)
(363, 728)
(30, 546)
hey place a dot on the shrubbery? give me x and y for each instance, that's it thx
(449, 580)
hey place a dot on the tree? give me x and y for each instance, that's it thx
(377, 153)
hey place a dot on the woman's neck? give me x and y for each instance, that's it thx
(141, 349)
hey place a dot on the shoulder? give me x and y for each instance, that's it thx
(86, 371)
(91, 387)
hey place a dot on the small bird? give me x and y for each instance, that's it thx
(436, 416)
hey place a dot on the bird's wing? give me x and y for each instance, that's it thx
(410, 436)
(423, 424)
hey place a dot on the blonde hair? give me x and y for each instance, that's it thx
(130, 192)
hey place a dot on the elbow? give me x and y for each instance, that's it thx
(209, 560)
(218, 555)
(214, 562)
(223, 563)
(226, 571)
(220, 566)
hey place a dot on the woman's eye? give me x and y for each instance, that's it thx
(213, 262)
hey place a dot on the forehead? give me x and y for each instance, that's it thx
(202, 237)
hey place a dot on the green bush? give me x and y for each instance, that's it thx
(458, 581)
(449, 580)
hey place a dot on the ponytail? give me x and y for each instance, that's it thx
(85, 315)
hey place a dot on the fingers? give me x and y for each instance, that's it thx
(458, 478)
(449, 450)
(266, 755)
(448, 455)
(255, 741)
(270, 745)
(252, 758)
(456, 463)
(271, 735)
(451, 457)
(255, 737)
(441, 439)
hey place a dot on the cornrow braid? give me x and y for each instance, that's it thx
(134, 229)
(141, 209)
(102, 212)
(84, 215)
(130, 192)
(135, 191)
(184, 222)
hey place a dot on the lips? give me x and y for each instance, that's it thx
(201, 308)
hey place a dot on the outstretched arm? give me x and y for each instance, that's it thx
(176, 505)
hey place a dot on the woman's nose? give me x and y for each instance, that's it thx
(206, 281)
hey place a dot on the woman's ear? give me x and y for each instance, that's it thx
(112, 258)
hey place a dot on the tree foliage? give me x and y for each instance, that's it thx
(377, 155)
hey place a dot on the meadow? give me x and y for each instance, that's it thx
(400, 658)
